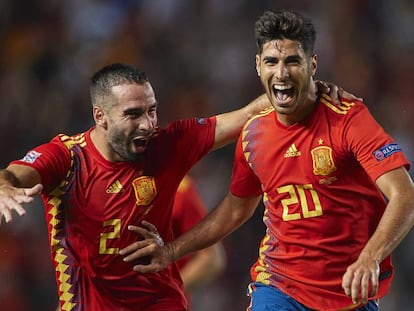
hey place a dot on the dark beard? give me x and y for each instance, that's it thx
(119, 145)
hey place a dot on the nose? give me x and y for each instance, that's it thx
(281, 71)
(145, 123)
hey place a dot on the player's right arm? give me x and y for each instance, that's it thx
(43, 167)
(229, 124)
(230, 214)
(18, 185)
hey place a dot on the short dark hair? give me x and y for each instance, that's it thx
(111, 75)
(285, 25)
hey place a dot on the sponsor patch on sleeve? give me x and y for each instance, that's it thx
(202, 121)
(384, 152)
(31, 156)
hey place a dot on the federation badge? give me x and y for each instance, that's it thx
(145, 190)
(323, 163)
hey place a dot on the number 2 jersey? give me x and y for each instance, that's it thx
(321, 204)
(89, 203)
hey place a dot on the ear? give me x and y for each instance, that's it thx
(314, 64)
(258, 64)
(99, 117)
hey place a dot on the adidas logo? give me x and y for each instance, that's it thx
(292, 152)
(116, 187)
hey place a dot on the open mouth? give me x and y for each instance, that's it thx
(283, 93)
(140, 143)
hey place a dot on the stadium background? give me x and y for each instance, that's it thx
(200, 59)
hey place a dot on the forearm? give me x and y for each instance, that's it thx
(397, 221)
(230, 124)
(7, 178)
(219, 223)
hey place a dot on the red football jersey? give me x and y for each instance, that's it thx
(188, 210)
(90, 202)
(321, 203)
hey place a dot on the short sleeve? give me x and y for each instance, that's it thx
(244, 182)
(51, 160)
(374, 149)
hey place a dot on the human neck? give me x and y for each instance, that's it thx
(99, 141)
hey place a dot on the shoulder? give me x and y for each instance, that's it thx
(346, 111)
(190, 124)
(344, 107)
(182, 132)
(69, 141)
(262, 116)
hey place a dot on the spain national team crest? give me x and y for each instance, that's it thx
(145, 190)
(323, 163)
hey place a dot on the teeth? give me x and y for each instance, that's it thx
(282, 87)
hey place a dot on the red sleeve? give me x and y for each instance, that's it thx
(52, 161)
(374, 149)
(244, 182)
(194, 137)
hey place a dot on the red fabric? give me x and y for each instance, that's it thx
(321, 202)
(188, 210)
(90, 202)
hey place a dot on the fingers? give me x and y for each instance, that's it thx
(150, 268)
(322, 86)
(149, 233)
(357, 281)
(11, 198)
(149, 226)
(137, 250)
(139, 230)
(36, 189)
(335, 92)
(146, 247)
(349, 96)
(375, 280)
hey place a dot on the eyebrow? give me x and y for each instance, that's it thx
(140, 110)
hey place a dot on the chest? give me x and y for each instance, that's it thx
(310, 154)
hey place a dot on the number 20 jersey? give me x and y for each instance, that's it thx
(321, 204)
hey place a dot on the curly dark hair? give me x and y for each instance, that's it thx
(285, 25)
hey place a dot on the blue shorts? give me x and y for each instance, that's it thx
(268, 298)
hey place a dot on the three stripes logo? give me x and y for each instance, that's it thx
(116, 187)
(292, 152)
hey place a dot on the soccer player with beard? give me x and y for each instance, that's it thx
(122, 172)
(322, 171)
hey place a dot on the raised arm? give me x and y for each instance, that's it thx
(396, 222)
(229, 124)
(18, 185)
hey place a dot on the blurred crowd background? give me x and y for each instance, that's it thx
(199, 55)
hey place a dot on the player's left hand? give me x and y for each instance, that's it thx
(359, 278)
(152, 245)
(335, 92)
